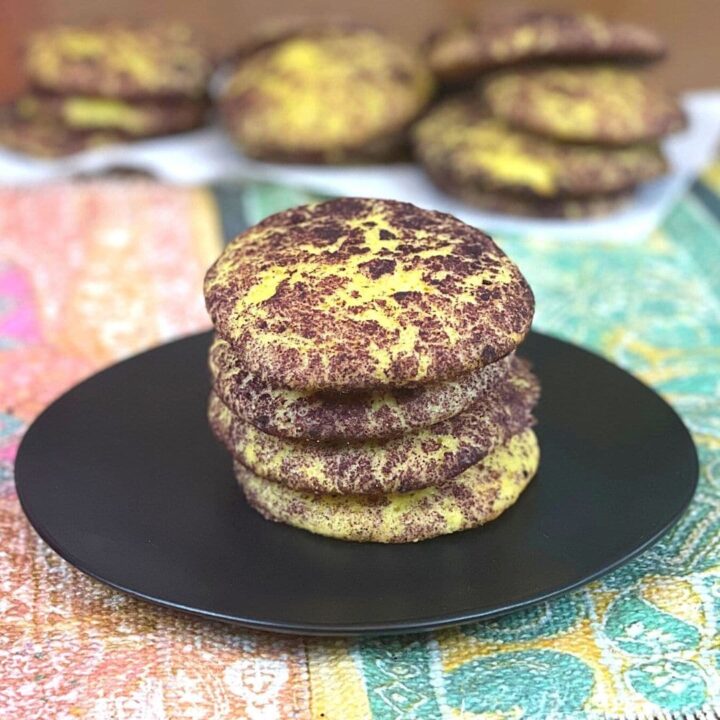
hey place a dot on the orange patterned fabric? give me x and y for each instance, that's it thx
(88, 274)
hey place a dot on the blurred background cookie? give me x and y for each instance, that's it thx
(598, 104)
(469, 153)
(40, 138)
(118, 61)
(460, 54)
(132, 118)
(104, 85)
(341, 95)
(333, 90)
(560, 121)
(507, 203)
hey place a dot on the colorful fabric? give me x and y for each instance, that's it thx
(93, 272)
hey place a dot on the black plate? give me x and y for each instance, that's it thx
(123, 479)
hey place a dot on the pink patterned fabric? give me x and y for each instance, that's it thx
(90, 273)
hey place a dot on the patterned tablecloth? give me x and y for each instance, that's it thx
(96, 271)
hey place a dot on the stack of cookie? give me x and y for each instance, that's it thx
(364, 375)
(558, 124)
(324, 93)
(109, 84)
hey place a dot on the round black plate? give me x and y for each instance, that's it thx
(122, 477)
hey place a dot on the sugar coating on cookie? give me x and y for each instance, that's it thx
(458, 143)
(478, 495)
(377, 414)
(584, 104)
(332, 97)
(356, 294)
(428, 456)
(118, 61)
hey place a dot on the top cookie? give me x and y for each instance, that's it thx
(459, 55)
(330, 96)
(355, 294)
(584, 104)
(118, 61)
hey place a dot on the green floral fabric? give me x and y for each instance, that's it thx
(642, 642)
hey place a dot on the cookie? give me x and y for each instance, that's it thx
(43, 139)
(600, 104)
(329, 416)
(118, 61)
(133, 118)
(416, 460)
(460, 146)
(478, 495)
(358, 294)
(568, 208)
(330, 97)
(460, 54)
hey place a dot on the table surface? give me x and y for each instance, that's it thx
(92, 272)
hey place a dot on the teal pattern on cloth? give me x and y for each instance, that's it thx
(644, 641)
(541, 682)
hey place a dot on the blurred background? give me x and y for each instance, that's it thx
(691, 27)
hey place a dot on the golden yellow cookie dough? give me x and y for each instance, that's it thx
(333, 97)
(428, 456)
(374, 415)
(584, 104)
(357, 294)
(460, 145)
(116, 60)
(475, 497)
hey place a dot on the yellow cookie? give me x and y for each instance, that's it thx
(328, 97)
(424, 457)
(605, 105)
(374, 415)
(115, 60)
(475, 497)
(132, 118)
(459, 55)
(360, 294)
(570, 208)
(461, 146)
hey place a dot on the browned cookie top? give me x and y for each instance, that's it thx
(461, 145)
(356, 293)
(344, 416)
(118, 61)
(477, 496)
(460, 54)
(329, 96)
(422, 458)
(598, 104)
